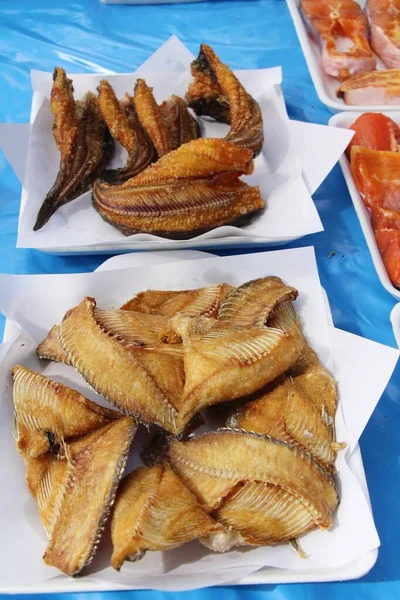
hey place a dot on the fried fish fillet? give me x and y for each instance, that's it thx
(154, 510)
(182, 127)
(187, 192)
(49, 413)
(126, 361)
(74, 493)
(124, 125)
(261, 487)
(51, 349)
(84, 143)
(191, 303)
(217, 92)
(151, 118)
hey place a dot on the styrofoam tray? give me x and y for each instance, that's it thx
(344, 120)
(325, 85)
(268, 575)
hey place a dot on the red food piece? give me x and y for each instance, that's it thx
(376, 174)
(386, 225)
(375, 131)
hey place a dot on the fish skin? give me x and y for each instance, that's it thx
(125, 127)
(49, 413)
(373, 88)
(251, 303)
(218, 93)
(384, 22)
(187, 192)
(182, 126)
(343, 19)
(154, 511)
(146, 384)
(213, 464)
(84, 142)
(96, 465)
(192, 303)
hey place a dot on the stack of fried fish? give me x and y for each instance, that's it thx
(264, 475)
(174, 184)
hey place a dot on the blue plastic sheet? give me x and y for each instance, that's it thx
(85, 35)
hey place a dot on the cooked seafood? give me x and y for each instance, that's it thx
(123, 124)
(75, 492)
(191, 190)
(51, 349)
(154, 510)
(151, 117)
(84, 143)
(147, 384)
(191, 303)
(386, 225)
(48, 413)
(375, 173)
(384, 22)
(376, 87)
(182, 127)
(226, 362)
(342, 29)
(217, 92)
(375, 131)
(261, 487)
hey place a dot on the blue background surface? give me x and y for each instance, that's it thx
(86, 36)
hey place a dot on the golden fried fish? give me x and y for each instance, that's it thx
(123, 123)
(191, 190)
(126, 361)
(217, 92)
(151, 118)
(74, 493)
(182, 127)
(261, 487)
(84, 143)
(223, 363)
(191, 303)
(48, 413)
(250, 304)
(51, 349)
(154, 510)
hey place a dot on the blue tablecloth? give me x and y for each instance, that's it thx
(85, 35)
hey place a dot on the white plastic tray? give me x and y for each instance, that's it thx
(324, 84)
(352, 570)
(344, 120)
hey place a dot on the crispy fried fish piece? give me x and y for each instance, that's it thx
(49, 413)
(123, 123)
(224, 363)
(251, 303)
(51, 349)
(214, 87)
(152, 118)
(140, 375)
(191, 303)
(84, 143)
(182, 127)
(261, 487)
(154, 510)
(74, 493)
(191, 190)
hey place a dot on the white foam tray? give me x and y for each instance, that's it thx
(344, 120)
(324, 84)
(268, 575)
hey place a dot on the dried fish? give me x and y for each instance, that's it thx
(84, 143)
(154, 510)
(217, 92)
(261, 487)
(191, 190)
(124, 125)
(48, 413)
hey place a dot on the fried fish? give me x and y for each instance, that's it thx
(75, 492)
(182, 126)
(124, 125)
(261, 487)
(187, 192)
(217, 92)
(151, 118)
(51, 349)
(48, 413)
(154, 510)
(84, 143)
